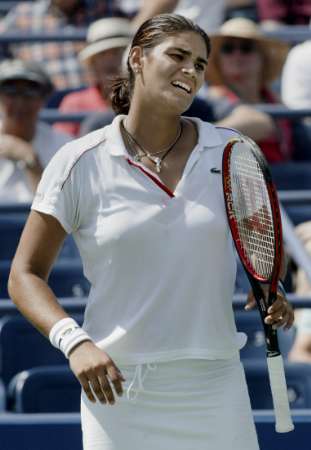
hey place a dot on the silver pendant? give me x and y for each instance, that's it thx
(158, 164)
(137, 158)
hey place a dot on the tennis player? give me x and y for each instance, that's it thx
(143, 199)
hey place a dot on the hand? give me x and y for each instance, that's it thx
(15, 149)
(280, 314)
(96, 372)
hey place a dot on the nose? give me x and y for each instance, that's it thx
(188, 71)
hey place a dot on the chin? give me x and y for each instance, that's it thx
(178, 104)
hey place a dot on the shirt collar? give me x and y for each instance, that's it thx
(208, 135)
(113, 134)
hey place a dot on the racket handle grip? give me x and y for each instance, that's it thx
(283, 420)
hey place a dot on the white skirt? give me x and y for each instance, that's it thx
(178, 405)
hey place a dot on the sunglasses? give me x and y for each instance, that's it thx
(245, 47)
(30, 92)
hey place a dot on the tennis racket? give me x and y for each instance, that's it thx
(255, 221)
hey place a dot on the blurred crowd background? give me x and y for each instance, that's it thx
(58, 59)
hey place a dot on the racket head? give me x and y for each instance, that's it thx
(253, 210)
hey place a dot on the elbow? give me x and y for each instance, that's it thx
(15, 282)
(12, 282)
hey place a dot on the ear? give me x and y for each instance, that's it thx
(136, 59)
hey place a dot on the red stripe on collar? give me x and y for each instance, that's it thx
(153, 178)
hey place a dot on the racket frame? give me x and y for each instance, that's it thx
(275, 363)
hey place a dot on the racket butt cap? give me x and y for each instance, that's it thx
(285, 428)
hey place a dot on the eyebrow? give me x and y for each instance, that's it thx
(188, 53)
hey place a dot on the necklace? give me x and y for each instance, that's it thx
(151, 156)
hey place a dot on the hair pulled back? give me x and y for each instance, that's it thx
(149, 35)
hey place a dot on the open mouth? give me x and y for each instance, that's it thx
(183, 86)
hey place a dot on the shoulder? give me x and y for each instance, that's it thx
(214, 135)
(300, 51)
(74, 152)
(227, 133)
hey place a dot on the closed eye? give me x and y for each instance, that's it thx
(200, 67)
(177, 56)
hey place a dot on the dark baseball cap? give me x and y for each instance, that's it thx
(16, 69)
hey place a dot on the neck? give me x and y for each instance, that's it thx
(153, 130)
(21, 130)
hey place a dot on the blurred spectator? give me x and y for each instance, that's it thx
(296, 93)
(209, 14)
(242, 8)
(296, 78)
(52, 16)
(26, 145)
(284, 12)
(141, 10)
(106, 41)
(301, 351)
(243, 65)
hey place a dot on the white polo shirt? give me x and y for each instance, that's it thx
(162, 268)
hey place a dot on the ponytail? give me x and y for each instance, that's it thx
(121, 96)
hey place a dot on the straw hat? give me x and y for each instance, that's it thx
(274, 52)
(105, 34)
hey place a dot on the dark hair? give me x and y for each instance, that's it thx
(150, 34)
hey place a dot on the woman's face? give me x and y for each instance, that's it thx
(21, 100)
(240, 59)
(172, 72)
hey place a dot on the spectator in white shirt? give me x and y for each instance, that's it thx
(26, 145)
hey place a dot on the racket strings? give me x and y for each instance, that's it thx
(251, 206)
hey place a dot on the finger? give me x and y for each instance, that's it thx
(116, 379)
(97, 387)
(106, 387)
(276, 317)
(277, 308)
(250, 302)
(86, 388)
(280, 302)
(280, 321)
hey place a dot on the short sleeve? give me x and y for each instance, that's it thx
(58, 191)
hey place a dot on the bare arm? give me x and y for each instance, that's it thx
(246, 119)
(149, 9)
(39, 245)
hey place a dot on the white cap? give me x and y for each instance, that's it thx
(105, 34)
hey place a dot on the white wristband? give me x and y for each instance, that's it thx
(66, 334)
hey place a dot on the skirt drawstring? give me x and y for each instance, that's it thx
(136, 386)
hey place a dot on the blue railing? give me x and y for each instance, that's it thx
(291, 34)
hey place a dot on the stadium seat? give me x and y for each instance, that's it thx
(250, 323)
(2, 397)
(46, 389)
(292, 175)
(41, 431)
(23, 347)
(298, 377)
(66, 278)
